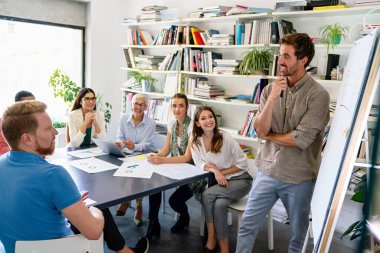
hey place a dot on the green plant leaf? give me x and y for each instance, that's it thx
(349, 229)
(359, 197)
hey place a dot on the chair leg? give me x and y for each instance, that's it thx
(229, 218)
(163, 208)
(270, 231)
(202, 225)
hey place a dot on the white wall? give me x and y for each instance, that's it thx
(56, 11)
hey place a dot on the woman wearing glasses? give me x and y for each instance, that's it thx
(136, 132)
(84, 121)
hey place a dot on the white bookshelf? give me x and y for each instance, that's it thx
(150, 94)
(243, 84)
(150, 71)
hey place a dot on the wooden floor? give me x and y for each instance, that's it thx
(191, 242)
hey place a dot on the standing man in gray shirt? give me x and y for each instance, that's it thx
(293, 113)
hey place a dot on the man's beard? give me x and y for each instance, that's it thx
(45, 151)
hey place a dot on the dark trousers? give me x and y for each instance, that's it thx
(177, 201)
(111, 233)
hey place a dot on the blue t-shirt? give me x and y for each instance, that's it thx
(32, 194)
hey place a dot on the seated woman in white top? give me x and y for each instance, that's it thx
(219, 153)
(85, 122)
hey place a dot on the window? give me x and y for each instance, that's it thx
(30, 52)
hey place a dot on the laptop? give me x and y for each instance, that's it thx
(111, 148)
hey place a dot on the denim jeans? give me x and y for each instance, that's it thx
(263, 195)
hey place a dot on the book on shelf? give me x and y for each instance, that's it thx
(290, 5)
(154, 8)
(329, 7)
(171, 83)
(221, 40)
(239, 35)
(159, 109)
(275, 34)
(146, 37)
(239, 9)
(132, 53)
(254, 94)
(216, 7)
(248, 130)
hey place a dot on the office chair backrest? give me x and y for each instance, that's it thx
(70, 244)
(159, 141)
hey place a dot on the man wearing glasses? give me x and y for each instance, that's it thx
(136, 132)
(293, 112)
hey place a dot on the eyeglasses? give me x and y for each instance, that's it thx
(88, 99)
(139, 105)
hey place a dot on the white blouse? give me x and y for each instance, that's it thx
(230, 154)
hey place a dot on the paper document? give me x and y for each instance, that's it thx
(177, 170)
(86, 153)
(92, 165)
(133, 170)
(135, 166)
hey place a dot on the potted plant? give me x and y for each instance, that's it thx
(143, 80)
(67, 90)
(333, 34)
(356, 229)
(63, 87)
(256, 62)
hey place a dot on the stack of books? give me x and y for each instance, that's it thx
(149, 62)
(205, 90)
(225, 66)
(151, 13)
(215, 11)
(291, 5)
(357, 178)
(192, 82)
(240, 9)
(221, 40)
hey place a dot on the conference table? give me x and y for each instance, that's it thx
(108, 190)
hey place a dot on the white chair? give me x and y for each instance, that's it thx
(238, 207)
(70, 244)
